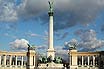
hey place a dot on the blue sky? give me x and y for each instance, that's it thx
(74, 21)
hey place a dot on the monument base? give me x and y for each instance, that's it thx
(51, 52)
(51, 65)
(30, 67)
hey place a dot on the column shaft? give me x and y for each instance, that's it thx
(22, 60)
(34, 60)
(70, 60)
(0, 59)
(16, 60)
(4, 63)
(82, 60)
(10, 60)
(51, 32)
(93, 60)
(88, 60)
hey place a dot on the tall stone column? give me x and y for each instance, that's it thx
(51, 31)
(51, 51)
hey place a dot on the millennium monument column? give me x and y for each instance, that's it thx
(51, 51)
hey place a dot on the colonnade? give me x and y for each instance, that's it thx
(24, 60)
(88, 60)
(83, 59)
(12, 60)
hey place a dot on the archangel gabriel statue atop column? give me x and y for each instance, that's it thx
(50, 5)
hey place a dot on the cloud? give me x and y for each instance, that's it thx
(34, 35)
(31, 34)
(67, 14)
(43, 47)
(71, 12)
(64, 35)
(88, 41)
(87, 35)
(61, 52)
(19, 45)
(8, 11)
(31, 8)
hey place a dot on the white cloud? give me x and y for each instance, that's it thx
(30, 34)
(82, 11)
(88, 41)
(61, 52)
(8, 11)
(42, 47)
(19, 45)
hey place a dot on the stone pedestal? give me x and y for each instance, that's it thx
(31, 59)
(73, 59)
(51, 52)
(51, 65)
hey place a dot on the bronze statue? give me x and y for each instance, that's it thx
(30, 47)
(50, 6)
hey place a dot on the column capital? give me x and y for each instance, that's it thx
(50, 13)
